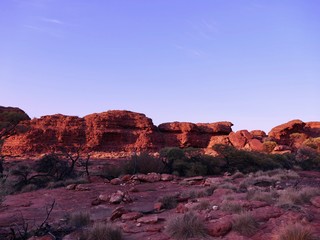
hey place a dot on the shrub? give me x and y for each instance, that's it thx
(308, 158)
(245, 224)
(54, 167)
(144, 163)
(203, 205)
(294, 232)
(169, 202)
(312, 143)
(268, 197)
(268, 146)
(246, 161)
(79, 219)
(186, 226)
(104, 232)
(292, 196)
(231, 207)
(111, 171)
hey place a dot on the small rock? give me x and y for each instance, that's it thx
(158, 206)
(104, 197)
(133, 189)
(212, 181)
(215, 207)
(153, 228)
(71, 186)
(315, 201)
(129, 228)
(148, 219)
(117, 213)
(126, 178)
(116, 181)
(96, 202)
(166, 177)
(117, 197)
(131, 216)
(181, 208)
(81, 187)
(153, 177)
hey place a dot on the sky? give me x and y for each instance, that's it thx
(254, 63)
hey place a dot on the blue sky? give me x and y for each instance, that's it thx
(254, 63)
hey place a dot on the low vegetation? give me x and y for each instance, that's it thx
(103, 232)
(245, 224)
(188, 225)
(294, 232)
(79, 219)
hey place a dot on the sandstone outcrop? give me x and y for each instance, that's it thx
(120, 133)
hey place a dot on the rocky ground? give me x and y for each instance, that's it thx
(144, 206)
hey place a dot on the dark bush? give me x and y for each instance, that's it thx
(246, 161)
(53, 166)
(144, 163)
(308, 158)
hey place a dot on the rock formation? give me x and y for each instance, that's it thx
(119, 133)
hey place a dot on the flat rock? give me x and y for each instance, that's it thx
(131, 216)
(148, 219)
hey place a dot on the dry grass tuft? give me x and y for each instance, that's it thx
(168, 202)
(231, 207)
(79, 219)
(186, 226)
(294, 232)
(245, 224)
(292, 196)
(103, 232)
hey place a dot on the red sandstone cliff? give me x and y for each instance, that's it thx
(125, 132)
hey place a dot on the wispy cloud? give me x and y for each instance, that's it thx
(189, 51)
(42, 30)
(203, 28)
(52, 20)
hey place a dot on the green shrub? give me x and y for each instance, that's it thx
(186, 226)
(246, 161)
(245, 224)
(308, 158)
(294, 232)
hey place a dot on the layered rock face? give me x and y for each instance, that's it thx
(127, 132)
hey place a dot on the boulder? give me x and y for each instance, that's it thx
(282, 133)
(220, 227)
